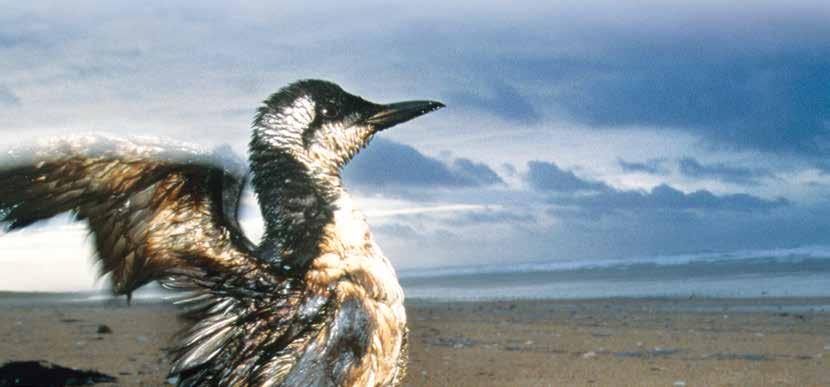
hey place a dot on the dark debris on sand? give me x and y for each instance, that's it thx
(43, 374)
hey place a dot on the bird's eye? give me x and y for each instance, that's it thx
(329, 110)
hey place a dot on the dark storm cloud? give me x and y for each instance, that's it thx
(767, 98)
(774, 101)
(651, 166)
(757, 79)
(387, 163)
(547, 176)
(690, 167)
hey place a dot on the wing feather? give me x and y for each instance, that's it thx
(150, 207)
(170, 213)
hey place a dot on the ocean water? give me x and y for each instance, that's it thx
(797, 272)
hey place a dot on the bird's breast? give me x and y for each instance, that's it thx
(362, 276)
(352, 269)
(366, 294)
(348, 252)
(348, 233)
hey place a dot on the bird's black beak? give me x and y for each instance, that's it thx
(396, 113)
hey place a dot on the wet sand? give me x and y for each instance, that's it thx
(521, 343)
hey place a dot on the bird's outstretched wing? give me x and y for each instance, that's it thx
(151, 208)
(169, 213)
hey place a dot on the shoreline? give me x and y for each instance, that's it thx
(624, 341)
(106, 297)
(817, 300)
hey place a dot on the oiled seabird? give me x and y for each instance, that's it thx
(316, 303)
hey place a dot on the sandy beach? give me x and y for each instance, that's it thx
(521, 343)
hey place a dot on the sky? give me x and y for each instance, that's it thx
(573, 130)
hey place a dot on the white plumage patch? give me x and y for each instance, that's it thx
(300, 114)
(284, 129)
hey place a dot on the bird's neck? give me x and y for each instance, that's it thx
(297, 202)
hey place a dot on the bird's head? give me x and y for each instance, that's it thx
(321, 125)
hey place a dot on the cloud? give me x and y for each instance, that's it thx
(418, 210)
(773, 100)
(476, 172)
(502, 100)
(653, 231)
(658, 66)
(512, 215)
(582, 196)
(547, 176)
(611, 222)
(690, 167)
(650, 166)
(768, 101)
(8, 97)
(398, 230)
(390, 164)
(669, 66)
(617, 81)
(667, 198)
